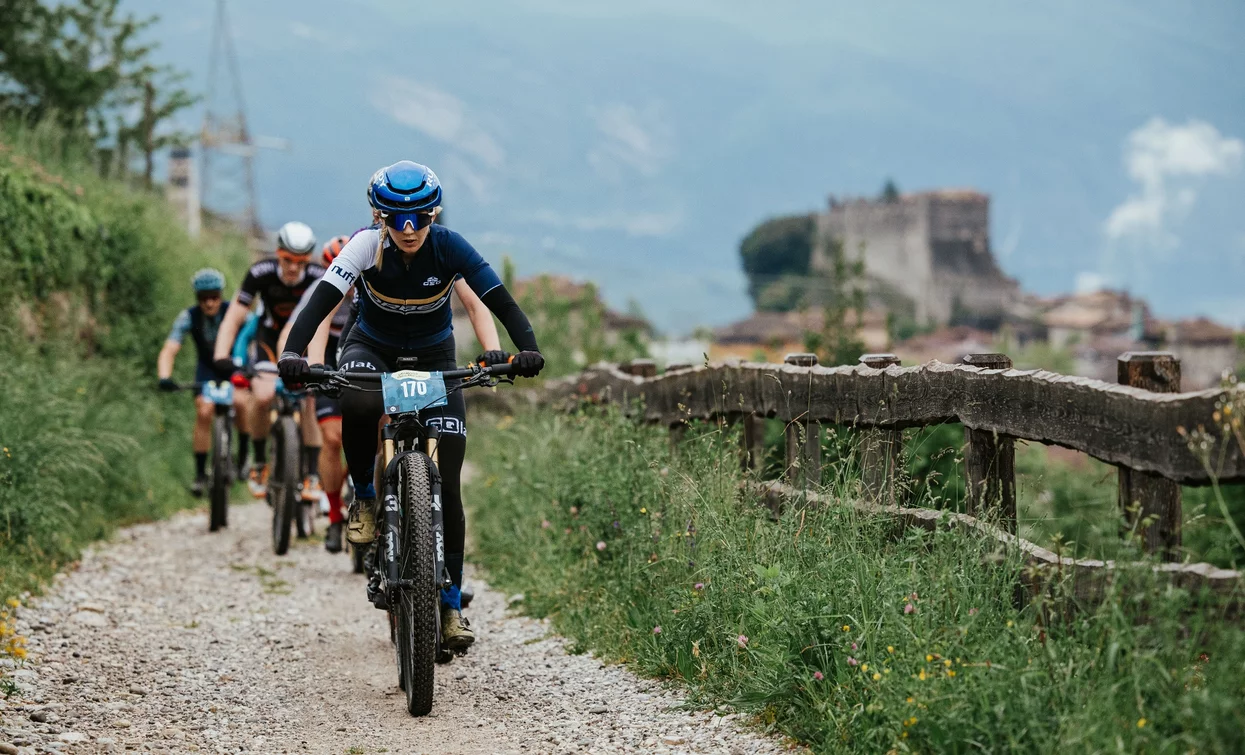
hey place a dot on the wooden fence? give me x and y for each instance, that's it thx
(1139, 425)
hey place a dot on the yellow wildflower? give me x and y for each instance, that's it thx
(928, 658)
(1141, 723)
(947, 663)
(13, 602)
(890, 648)
(909, 700)
(921, 675)
(643, 510)
(1009, 622)
(865, 667)
(950, 672)
(876, 676)
(847, 627)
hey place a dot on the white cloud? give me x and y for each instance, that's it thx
(1089, 282)
(1167, 161)
(639, 141)
(439, 115)
(630, 223)
(320, 36)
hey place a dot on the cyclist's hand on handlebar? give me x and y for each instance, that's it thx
(293, 369)
(490, 358)
(528, 363)
(224, 368)
(168, 385)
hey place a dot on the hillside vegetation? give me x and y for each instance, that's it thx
(95, 271)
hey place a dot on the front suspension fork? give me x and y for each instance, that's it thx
(391, 512)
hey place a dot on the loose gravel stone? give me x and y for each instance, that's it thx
(208, 643)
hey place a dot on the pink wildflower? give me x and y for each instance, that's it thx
(818, 676)
(853, 646)
(575, 512)
(909, 608)
(546, 524)
(972, 612)
(698, 586)
(657, 630)
(600, 545)
(852, 661)
(742, 640)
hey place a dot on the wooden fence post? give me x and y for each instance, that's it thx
(1144, 494)
(803, 439)
(990, 461)
(752, 452)
(881, 451)
(645, 368)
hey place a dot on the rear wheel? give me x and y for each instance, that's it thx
(283, 483)
(218, 495)
(417, 603)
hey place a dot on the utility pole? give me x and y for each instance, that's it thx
(227, 145)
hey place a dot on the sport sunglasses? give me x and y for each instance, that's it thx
(399, 220)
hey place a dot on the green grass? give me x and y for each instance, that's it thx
(659, 561)
(97, 271)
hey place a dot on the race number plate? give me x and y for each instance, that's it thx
(218, 392)
(412, 391)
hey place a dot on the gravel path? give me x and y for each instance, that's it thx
(170, 639)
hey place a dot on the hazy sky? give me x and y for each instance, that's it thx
(635, 143)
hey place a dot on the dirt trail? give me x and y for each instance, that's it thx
(173, 640)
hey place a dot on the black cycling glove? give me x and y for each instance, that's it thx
(168, 384)
(224, 368)
(528, 363)
(293, 369)
(495, 356)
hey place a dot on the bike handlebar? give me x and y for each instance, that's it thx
(320, 373)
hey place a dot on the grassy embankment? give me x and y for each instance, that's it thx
(94, 272)
(823, 624)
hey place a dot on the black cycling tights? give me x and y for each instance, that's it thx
(361, 413)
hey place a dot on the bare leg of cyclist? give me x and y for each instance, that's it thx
(201, 442)
(241, 421)
(263, 389)
(332, 474)
(312, 444)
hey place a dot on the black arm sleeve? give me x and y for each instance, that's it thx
(502, 304)
(321, 303)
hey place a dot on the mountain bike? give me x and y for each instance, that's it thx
(285, 480)
(410, 554)
(220, 472)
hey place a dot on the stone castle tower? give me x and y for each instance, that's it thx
(932, 248)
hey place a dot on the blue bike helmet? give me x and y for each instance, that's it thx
(404, 187)
(208, 279)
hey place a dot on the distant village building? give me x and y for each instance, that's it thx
(947, 345)
(1206, 350)
(931, 248)
(770, 336)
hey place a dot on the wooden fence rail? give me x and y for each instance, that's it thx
(1134, 426)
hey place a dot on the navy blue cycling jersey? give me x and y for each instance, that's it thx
(201, 329)
(404, 301)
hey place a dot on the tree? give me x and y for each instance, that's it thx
(777, 253)
(890, 192)
(839, 341)
(82, 65)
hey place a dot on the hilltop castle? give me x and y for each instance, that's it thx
(928, 251)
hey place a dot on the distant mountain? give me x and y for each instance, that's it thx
(634, 144)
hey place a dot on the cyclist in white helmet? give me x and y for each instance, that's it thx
(279, 282)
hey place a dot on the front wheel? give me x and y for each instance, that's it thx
(222, 473)
(419, 601)
(283, 483)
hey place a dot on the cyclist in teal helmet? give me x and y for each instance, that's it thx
(201, 323)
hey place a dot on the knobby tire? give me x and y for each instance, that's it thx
(218, 494)
(418, 604)
(283, 482)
